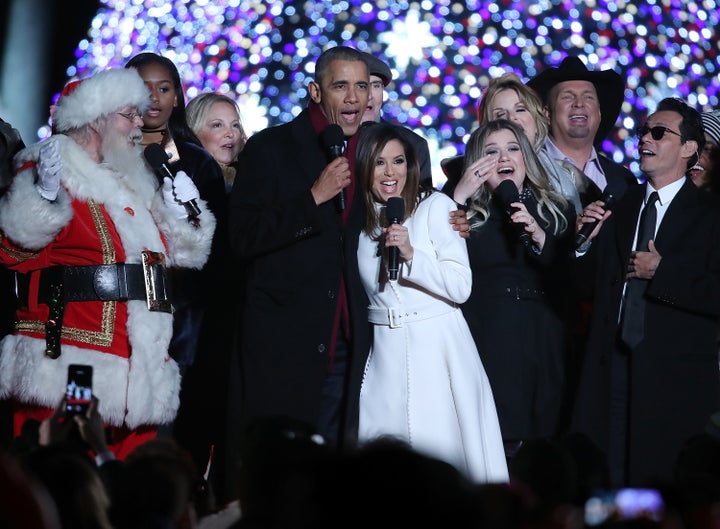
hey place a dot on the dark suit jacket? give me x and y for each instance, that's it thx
(674, 371)
(619, 178)
(297, 252)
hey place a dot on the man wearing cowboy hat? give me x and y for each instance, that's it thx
(650, 377)
(583, 106)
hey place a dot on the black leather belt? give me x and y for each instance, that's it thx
(115, 282)
(59, 285)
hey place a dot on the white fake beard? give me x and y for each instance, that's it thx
(127, 160)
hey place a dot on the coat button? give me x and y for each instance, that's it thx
(321, 348)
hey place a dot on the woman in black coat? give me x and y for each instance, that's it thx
(520, 235)
(203, 325)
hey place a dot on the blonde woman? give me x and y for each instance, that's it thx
(508, 98)
(215, 119)
(513, 310)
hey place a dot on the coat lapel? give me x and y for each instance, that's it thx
(679, 217)
(310, 159)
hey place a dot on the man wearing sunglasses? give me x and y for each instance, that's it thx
(650, 378)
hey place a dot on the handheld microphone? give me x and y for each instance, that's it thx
(158, 159)
(333, 139)
(394, 213)
(582, 236)
(508, 193)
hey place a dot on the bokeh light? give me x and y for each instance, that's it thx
(442, 52)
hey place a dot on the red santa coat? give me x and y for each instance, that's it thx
(99, 217)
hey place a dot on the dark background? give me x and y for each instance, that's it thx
(63, 24)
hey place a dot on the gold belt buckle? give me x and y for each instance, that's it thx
(155, 281)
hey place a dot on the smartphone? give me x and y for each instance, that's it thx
(606, 507)
(78, 393)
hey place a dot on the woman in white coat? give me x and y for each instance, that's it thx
(424, 382)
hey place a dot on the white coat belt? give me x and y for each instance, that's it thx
(396, 317)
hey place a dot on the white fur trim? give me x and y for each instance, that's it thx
(154, 382)
(28, 219)
(188, 246)
(100, 95)
(144, 390)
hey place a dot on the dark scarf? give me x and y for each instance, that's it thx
(342, 312)
(319, 123)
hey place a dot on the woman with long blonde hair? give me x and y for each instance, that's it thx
(515, 255)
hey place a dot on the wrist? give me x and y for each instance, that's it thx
(463, 206)
(46, 193)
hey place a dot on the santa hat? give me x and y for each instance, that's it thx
(711, 124)
(82, 102)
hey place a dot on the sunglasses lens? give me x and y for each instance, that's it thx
(657, 133)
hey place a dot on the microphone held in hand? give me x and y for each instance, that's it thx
(333, 139)
(158, 160)
(588, 227)
(394, 213)
(508, 193)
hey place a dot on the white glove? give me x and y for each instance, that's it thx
(178, 191)
(48, 168)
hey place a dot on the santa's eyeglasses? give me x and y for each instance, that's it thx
(130, 116)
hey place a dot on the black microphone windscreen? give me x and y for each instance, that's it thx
(587, 228)
(508, 192)
(156, 155)
(333, 136)
(395, 209)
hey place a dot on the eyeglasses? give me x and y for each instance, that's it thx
(657, 132)
(130, 116)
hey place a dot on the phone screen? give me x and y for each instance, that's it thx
(623, 504)
(78, 393)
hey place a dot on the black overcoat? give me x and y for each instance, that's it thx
(296, 254)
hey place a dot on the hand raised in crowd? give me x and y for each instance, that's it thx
(335, 176)
(92, 427)
(49, 168)
(57, 427)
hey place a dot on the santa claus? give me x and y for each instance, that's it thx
(88, 229)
